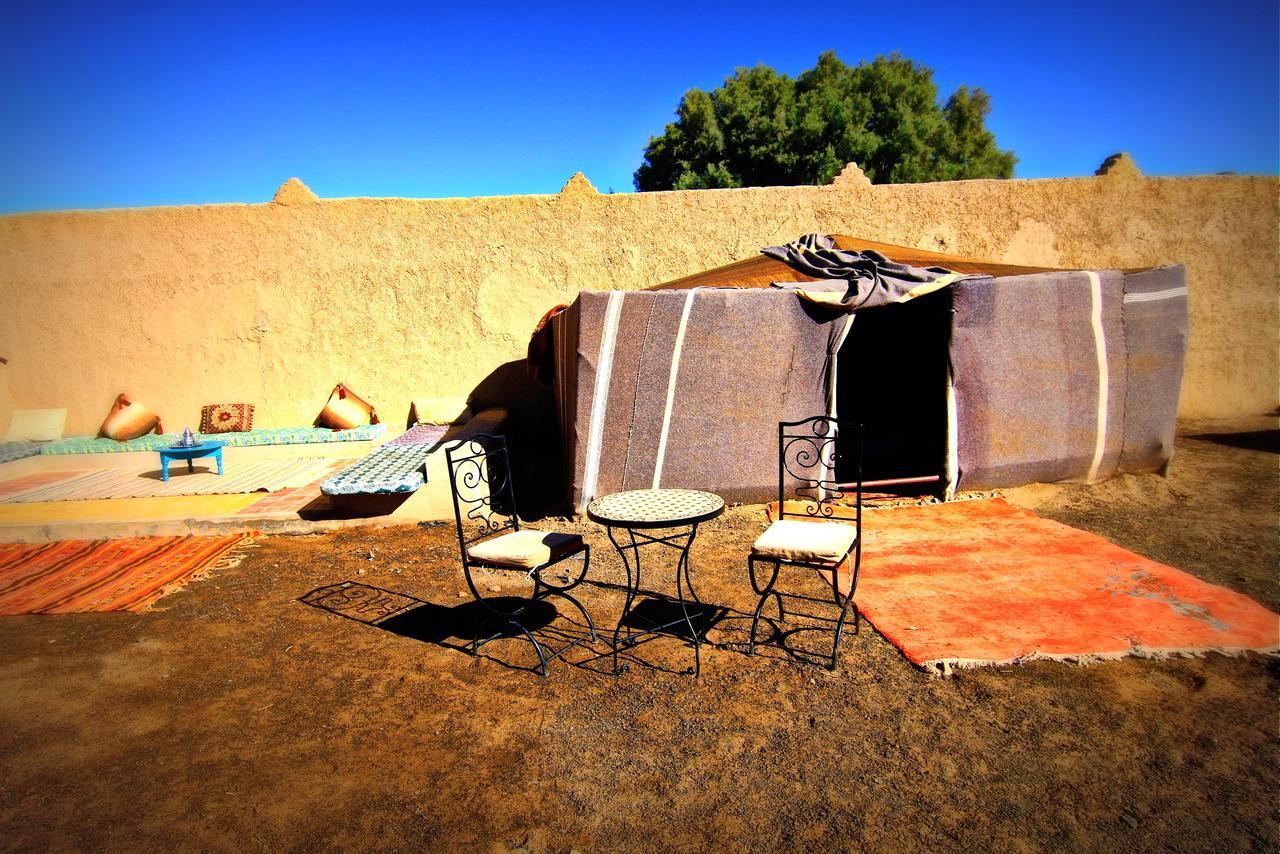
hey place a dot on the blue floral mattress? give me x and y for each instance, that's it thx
(264, 436)
(389, 469)
(18, 450)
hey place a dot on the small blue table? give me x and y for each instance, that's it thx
(204, 449)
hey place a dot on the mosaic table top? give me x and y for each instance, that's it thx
(655, 508)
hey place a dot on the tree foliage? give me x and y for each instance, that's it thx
(762, 128)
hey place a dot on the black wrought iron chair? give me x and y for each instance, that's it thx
(819, 467)
(490, 536)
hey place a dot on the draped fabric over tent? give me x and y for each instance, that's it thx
(999, 376)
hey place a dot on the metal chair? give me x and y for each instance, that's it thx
(484, 502)
(812, 455)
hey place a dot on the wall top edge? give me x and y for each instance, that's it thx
(629, 197)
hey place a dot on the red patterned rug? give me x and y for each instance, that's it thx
(982, 582)
(77, 576)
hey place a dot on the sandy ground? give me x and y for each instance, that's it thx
(236, 716)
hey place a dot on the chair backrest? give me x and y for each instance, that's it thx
(480, 479)
(819, 465)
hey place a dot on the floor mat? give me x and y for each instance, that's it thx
(982, 582)
(267, 476)
(293, 499)
(78, 576)
(128, 509)
(28, 482)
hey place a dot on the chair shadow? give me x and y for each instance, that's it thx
(775, 638)
(452, 627)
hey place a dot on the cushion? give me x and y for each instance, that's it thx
(129, 419)
(36, 425)
(802, 540)
(345, 410)
(524, 549)
(439, 410)
(226, 418)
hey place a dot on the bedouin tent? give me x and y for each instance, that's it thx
(969, 374)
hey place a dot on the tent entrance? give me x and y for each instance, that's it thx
(892, 377)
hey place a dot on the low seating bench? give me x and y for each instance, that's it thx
(400, 466)
(264, 436)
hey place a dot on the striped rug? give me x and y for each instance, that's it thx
(16, 485)
(79, 576)
(267, 476)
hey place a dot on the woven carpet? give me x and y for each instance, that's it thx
(266, 476)
(79, 576)
(981, 582)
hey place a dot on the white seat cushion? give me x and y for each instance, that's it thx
(524, 549)
(801, 540)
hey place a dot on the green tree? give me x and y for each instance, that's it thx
(762, 128)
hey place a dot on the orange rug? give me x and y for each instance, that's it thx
(78, 576)
(982, 582)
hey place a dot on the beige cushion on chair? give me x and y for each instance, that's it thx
(801, 540)
(524, 549)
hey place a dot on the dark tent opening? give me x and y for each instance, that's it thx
(891, 355)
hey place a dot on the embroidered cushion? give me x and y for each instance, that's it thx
(226, 418)
(345, 410)
(524, 549)
(797, 539)
(129, 419)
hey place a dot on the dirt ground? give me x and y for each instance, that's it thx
(237, 716)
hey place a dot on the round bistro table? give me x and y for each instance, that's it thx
(677, 512)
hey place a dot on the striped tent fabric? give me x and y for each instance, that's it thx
(684, 389)
(1064, 376)
(80, 576)
(1155, 324)
(1008, 376)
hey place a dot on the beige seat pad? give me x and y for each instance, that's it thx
(797, 539)
(525, 549)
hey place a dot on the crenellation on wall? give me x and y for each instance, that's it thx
(274, 303)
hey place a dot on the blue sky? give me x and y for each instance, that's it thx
(130, 104)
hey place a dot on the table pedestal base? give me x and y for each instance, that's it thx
(680, 539)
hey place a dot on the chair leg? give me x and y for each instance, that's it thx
(591, 626)
(765, 592)
(755, 585)
(844, 613)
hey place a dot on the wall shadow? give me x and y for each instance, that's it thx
(533, 438)
(1267, 441)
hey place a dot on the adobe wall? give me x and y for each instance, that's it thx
(273, 303)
